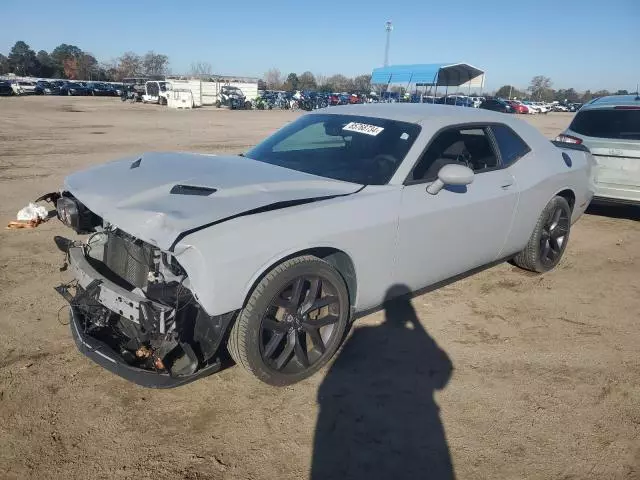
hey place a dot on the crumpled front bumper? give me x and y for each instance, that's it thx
(108, 358)
(126, 303)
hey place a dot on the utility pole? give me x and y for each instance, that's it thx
(388, 26)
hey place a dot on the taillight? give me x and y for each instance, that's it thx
(568, 139)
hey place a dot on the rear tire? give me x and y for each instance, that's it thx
(292, 323)
(549, 238)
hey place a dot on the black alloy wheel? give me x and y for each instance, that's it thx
(549, 238)
(298, 324)
(553, 235)
(293, 321)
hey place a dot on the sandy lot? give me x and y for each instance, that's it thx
(545, 380)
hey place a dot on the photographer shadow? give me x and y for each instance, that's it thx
(378, 418)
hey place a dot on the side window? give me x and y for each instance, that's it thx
(469, 146)
(511, 146)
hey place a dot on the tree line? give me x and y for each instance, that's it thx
(71, 62)
(540, 89)
(274, 80)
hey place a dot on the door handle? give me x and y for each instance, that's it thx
(506, 186)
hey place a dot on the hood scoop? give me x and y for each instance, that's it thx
(192, 190)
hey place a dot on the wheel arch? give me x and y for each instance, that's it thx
(569, 195)
(339, 259)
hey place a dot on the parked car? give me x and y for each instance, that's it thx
(542, 108)
(517, 107)
(347, 203)
(100, 89)
(334, 100)
(455, 100)
(533, 109)
(574, 107)
(23, 87)
(118, 88)
(44, 87)
(610, 128)
(497, 105)
(72, 88)
(5, 88)
(232, 97)
(559, 108)
(477, 101)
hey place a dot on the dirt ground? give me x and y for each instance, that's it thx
(545, 380)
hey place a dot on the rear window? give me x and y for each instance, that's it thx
(621, 124)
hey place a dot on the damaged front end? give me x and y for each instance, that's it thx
(133, 313)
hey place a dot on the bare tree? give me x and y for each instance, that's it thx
(540, 87)
(155, 63)
(273, 79)
(340, 83)
(201, 69)
(362, 83)
(321, 79)
(86, 66)
(306, 81)
(129, 65)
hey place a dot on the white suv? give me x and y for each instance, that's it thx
(610, 128)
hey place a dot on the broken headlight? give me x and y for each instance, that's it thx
(75, 215)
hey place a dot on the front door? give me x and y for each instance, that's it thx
(459, 228)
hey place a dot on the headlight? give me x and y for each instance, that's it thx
(75, 215)
(68, 212)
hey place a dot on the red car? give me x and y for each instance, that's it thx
(334, 100)
(517, 107)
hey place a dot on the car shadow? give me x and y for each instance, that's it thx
(378, 417)
(628, 212)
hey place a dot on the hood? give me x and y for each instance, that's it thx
(159, 196)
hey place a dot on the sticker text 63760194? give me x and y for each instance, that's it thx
(363, 128)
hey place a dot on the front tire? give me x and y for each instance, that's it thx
(292, 323)
(549, 238)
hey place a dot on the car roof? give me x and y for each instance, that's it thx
(418, 112)
(612, 101)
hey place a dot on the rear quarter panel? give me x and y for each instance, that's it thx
(542, 174)
(226, 260)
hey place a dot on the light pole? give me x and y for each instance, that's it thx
(388, 27)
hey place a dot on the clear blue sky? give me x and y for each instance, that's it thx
(587, 44)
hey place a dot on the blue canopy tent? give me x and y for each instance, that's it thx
(430, 74)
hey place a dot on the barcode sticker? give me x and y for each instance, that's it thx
(363, 128)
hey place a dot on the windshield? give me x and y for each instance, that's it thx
(621, 124)
(364, 150)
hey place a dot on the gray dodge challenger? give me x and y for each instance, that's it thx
(271, 254)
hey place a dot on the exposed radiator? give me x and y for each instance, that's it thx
(128, 258)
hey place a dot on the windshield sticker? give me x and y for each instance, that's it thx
(362, 128)
(404, 136)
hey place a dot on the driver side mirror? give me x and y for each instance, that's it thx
(451, 174)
